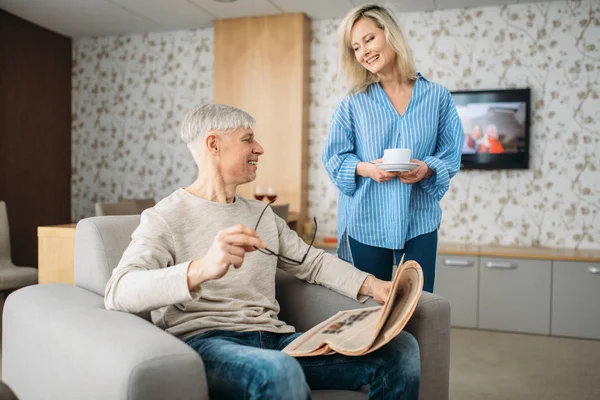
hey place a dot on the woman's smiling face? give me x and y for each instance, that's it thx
(370, 46)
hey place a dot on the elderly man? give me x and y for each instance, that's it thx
(209, 279)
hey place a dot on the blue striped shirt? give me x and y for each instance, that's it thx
(390, 213)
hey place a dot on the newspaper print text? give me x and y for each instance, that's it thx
(339, 327)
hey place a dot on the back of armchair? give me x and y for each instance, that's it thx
(99, 245)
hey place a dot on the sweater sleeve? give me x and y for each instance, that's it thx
(445, 161)
(146, 278)
(319, 267)
(338, 155)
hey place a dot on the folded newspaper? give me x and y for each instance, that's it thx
(363, 330)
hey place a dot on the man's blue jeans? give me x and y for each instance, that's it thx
(250, 365)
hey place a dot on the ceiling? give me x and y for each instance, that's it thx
(77, 18)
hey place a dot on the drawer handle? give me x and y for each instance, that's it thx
(458, 263)
(501, 265)
(594, 270)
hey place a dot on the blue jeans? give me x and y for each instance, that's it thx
(250, 365)
(379, 261)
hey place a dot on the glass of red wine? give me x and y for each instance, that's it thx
(259, 192)
(271, 193)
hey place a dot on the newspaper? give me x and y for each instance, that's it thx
(363, 330)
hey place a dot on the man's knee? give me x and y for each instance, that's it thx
(403, 353)
(282, 377)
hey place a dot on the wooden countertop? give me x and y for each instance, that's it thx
(293, 216)
(458, 249)
(65, 230)
(537, 253)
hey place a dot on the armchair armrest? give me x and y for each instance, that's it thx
(430, 325)
(304, 305)
(60, 342)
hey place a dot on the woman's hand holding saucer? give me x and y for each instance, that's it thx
(421, 172)
(370, 170)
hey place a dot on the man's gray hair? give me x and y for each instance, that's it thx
(210, 117)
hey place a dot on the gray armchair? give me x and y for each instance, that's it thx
(281, 210)
(59, 342)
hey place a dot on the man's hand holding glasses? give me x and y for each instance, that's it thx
(229, 247)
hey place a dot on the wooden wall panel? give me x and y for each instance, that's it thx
(35, 131)
(261, 65)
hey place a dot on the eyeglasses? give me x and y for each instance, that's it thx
(281, 258)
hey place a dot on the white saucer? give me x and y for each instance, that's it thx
(397, 167)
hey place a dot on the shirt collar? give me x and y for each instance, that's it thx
(419, 76)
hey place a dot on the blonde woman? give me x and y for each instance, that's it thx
(384, 215)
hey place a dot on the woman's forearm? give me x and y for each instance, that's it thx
(360, 169)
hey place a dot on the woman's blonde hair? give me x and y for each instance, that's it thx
(357, 76)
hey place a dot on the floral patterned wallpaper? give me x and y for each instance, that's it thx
(129, 94)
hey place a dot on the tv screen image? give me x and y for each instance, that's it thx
(496, 128)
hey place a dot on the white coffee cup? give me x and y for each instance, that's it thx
(396, 156)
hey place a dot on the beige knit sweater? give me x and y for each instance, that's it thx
(152, 275)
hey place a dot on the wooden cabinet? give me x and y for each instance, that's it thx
(262, 66)
(519, 289)
(457, 279)
(56, 249)
(576, 299)
(514, 295)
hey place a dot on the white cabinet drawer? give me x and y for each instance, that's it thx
(576, 299)
(514, 295)
(456, 279)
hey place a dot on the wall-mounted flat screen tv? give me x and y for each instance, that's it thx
(496, 127)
